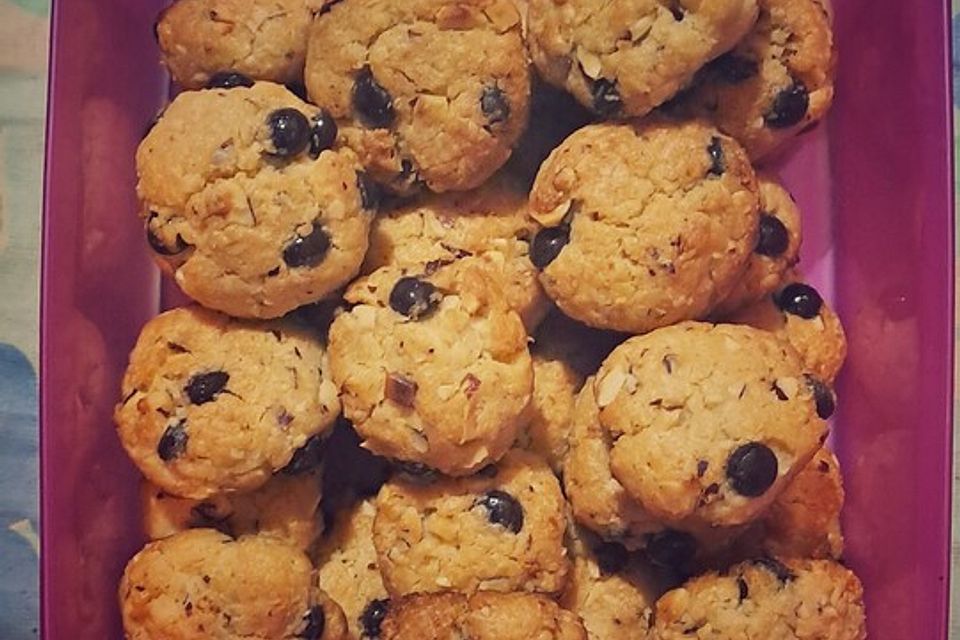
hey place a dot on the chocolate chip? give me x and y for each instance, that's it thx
(372, 617)
(371, 101)
(158, 245)
(671, 549)
(502, 509)
(400, 390)
(370, 192)
(308, 250)
(173, 442)
(734, 69)
(822, 395)
(717, 163)
(306, 458)
(289, 132)
(548, 244)
(606, 98)
(414, 298)
(323, 135)
(314, 622)
(611, 557)
(229, 80)
(789, 107)
(752, 469)
(800, 300)
(743, 589)
(773, 238)
(205, 387)
(702, 468)
(494, 105)
(677, 10)
(777, 568)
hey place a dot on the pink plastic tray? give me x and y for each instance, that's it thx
(876, 188)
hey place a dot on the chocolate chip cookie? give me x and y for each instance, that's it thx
(488, 226)
(432, 366)
(202, 584)
(211, 404)
(624, 58)
(430, 92)
(645, 224)
(347, 570)
(234, 42)
(248, 201)
(777, 250)
(482, 616)
(499, 530)
(766, 598)
(776, 83)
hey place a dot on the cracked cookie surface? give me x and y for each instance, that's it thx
(261, 39)
(246, 206)
(488, 226)
(769, 599)
(645, 224)
(433, 367)
(774, 84)
(705, 424)
(213, 404)
(499, 530)
(482, 616)
(427, 91)
(625, 57)
(201, 584)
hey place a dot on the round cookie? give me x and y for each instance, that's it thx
(488, 226)
(646, 224)
(211, 404)
(612, 590)
(499, 530)
(347, 570)
(624, 58)
(766, 599)
(433, 368)
(707, 424)
(776, 83)
(799, 315)
(203, 42)
(482, 616)
(202, 584)
(427, 91)
(246, 204)
(777, 250)
(286, 507)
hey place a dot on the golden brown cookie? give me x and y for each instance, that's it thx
(645, 224)
(427, 91)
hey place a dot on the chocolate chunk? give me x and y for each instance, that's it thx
(414, 298)
(800, 300)
(752, 469)
(548, 244)
(371, 101)
(308, 250)
(773, 238)
(502, 509)
(289, 132)
(173, 442)
(205, 387)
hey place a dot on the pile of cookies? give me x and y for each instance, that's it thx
(499, 332)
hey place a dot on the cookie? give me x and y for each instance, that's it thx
(550, 413)
(777, 82)
(707, 424)
(211, 404)
(212, 42)
(247, 205)
(202, 584)
(499, 530)
(488, 226)
(624, 58)
(646, 224)
(798, 314)
(482, 616)
(430, 92)
(432, 366)
(347, 570)
(777, 250)
(766, 599)
(611, 589)
(286, 507)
